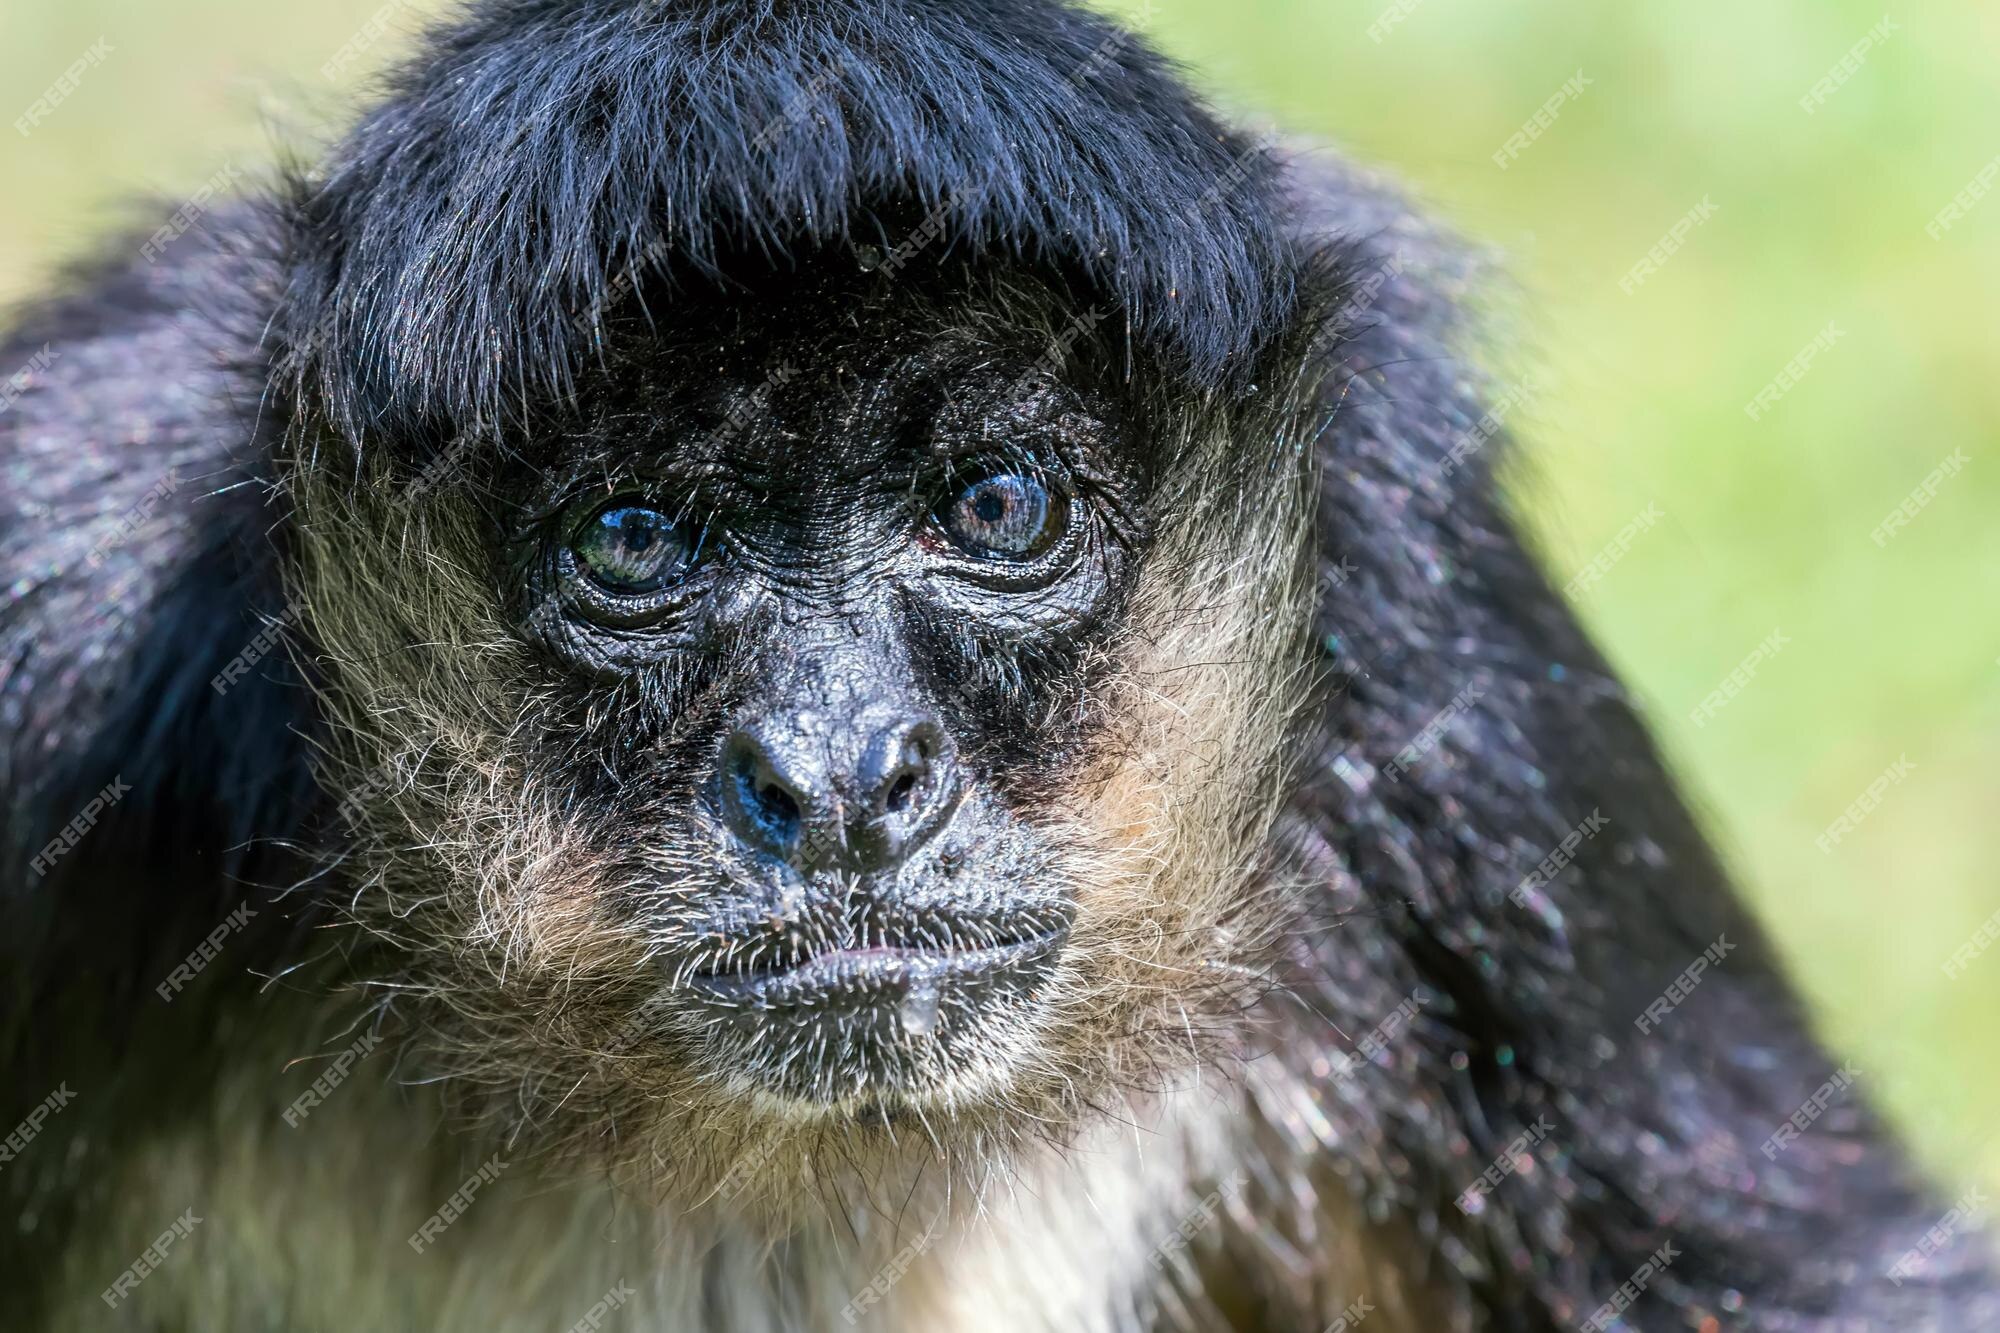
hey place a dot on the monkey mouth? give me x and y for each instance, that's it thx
(911, 974)
(831, 994)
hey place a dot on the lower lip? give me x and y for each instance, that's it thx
(841, 975)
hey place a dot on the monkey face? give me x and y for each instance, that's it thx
(821, 718)
(784, 683)
(848, 589)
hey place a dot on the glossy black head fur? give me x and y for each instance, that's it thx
(452, 254)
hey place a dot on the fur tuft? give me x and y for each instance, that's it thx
(536, 159)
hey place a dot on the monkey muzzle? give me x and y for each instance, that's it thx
(898, 907)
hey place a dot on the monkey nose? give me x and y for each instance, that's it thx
(860, 798)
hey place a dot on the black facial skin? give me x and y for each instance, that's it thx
(836, 593)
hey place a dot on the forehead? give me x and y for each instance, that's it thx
(847, 307)
(854, 366)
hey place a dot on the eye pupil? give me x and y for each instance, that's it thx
(1010, 516)
(630, 549)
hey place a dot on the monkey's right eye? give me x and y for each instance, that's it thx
(629, 550)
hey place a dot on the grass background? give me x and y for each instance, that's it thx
(1894, 652)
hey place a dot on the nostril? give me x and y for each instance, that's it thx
(777, 803)
(763, 808)
(904, 778)
(860, 800)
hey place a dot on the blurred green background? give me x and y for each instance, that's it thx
(1818, 218)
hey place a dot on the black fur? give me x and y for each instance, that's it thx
(462, 254)
(543, 151)
(1655, 1138)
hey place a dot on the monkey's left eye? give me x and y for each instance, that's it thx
(629, 550)
(1010, 516)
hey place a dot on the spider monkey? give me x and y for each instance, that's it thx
(829, 664)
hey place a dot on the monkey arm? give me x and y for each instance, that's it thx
(135, 574)
(1602, 1074)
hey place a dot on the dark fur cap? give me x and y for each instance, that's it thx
(454, 257)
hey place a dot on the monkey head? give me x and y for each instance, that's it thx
(798, 678)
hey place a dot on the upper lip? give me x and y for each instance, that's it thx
(867, 971)
(787, 962)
